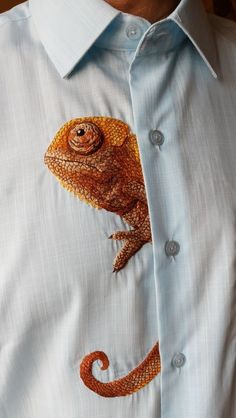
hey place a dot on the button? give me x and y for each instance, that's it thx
(156, 137)
(133, 31)
(178, 360)
(172, 248)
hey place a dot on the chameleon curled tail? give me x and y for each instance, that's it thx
(132, 382)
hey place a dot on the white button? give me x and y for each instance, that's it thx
(178, 360)
(133, 31)
(156, 137)
(172, 248)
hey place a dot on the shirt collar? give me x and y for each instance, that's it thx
(191, 16)
(67, 29)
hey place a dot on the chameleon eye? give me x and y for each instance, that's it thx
(85, 138)
(80, 132)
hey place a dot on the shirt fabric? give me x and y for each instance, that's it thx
(59, 298)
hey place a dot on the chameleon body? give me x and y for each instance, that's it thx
(97, 159)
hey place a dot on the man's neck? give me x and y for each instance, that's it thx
(151, 10)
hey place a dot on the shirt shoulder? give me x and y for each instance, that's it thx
(224, 29)
(17, 41)
(15, 14)
(15, 33)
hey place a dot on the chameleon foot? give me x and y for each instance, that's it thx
(134, 240)
(130, 247)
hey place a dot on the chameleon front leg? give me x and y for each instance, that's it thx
(138, 217)
(134, 240)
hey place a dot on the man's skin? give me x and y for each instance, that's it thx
(151, 10)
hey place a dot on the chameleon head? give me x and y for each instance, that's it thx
(80, 139)
(76, 139)
(88, 154)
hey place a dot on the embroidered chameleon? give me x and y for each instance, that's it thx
(97, 159)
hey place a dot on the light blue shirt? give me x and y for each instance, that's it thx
(173, 83)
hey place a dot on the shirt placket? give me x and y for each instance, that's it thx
(151, 81)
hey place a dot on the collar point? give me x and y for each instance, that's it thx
(215, 75)
(63, 72)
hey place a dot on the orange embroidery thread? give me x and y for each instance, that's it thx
(135, 380)
(97, 159)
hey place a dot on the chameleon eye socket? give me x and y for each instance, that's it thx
(85, 138)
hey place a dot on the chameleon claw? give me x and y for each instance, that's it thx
(116, 269)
